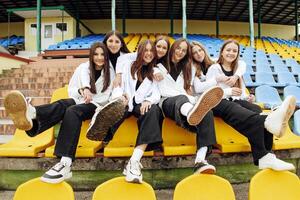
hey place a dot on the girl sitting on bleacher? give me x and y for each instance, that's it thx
(236, 110)
(179, 105)
(143, 95)
(90, 87)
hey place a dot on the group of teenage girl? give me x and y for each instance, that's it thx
(178, 81)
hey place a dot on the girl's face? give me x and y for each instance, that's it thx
(161, 48)
(230, 52)
(198, 53)
(148, 54)
(113, 44)
(98, 58)
(180, 52)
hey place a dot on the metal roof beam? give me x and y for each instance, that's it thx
(270, 8)
(277, 13)
(204, 13)
(285, 16)
(231, 9)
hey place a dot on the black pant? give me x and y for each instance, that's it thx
(245, 118)
(149, 126)
(71, 115)
(205, 130)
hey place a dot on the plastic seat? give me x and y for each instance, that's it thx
(269, 184)
(124, 140)
(85, 147)
(296, 129)
(36, 190)
(177, 140)
(287, 78)
(119, 189)
(203, 187)
(248, 81)
(264, 78)
(268, 96)
(263, 68)
(292, 90)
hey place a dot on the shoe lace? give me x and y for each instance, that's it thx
(136, 167)
(58, 166)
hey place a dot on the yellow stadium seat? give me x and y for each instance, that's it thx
(85, 147)
(269, 184)
(132, 45)
(119, 189)
(123, 142)
(203, 187)
(36, 190)
(228, 139)
(128, 38)
(288, 141)
(177, 141)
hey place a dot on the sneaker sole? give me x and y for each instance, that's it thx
(209, 100)
(287, 115)
(206, 170)
(133, 180)
(106, 118)
(16, 106)
(55, 181)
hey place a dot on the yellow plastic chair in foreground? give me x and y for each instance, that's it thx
(85, 147)
(269, 184)
(203, 187)
(119, 189)
(36, 190)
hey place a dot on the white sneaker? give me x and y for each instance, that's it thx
(19, 110)
(133, 172)
(104, 118)
(277, 121)
(270, 161)
(208, 100)
(204, 168)
(57, 174)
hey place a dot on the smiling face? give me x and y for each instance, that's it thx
(180, 52)
(98, 58)
(198, 53)
(148, 54)
(113, 44)
(230, 52)
(161, 48)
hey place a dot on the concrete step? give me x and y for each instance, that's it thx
(28, 86)
(37, 79)
(6, 127)
(30, 93)
(36, 101)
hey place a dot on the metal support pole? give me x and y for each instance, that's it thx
(124, 17)
(184, 18)
(259, 19)
(38, 17)
(251, 23)
(217, 18)
(113, 15)
(296, 20)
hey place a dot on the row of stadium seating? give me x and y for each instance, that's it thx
(12, 41)
(263, 185)
(177, 141)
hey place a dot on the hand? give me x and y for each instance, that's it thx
(222, 79)
(117, 81)
(125, 99)
(236, 91)
(87, 95)
(146, 105)
(232, 80)
(158, 77)
(251, 98)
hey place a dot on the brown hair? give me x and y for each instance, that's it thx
(186, 62)
(137, 65)
(234, 64)
(164, 59)
(124, 48)
(105, 68)
(207, 61)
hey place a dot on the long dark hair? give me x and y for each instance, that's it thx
(234, 64)
(124, 48)
(105, 69)
(164, 59)
(186, 62)
(137, 65)
(205, 64)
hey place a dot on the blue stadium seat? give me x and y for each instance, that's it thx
(268, 96)
(248, 81)
(264, 78)
(296, 128)
(292, 90)
(295, 69)
(287, 78)
(280, 68)
(263, 67)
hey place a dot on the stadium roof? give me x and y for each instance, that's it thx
(272, 11)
